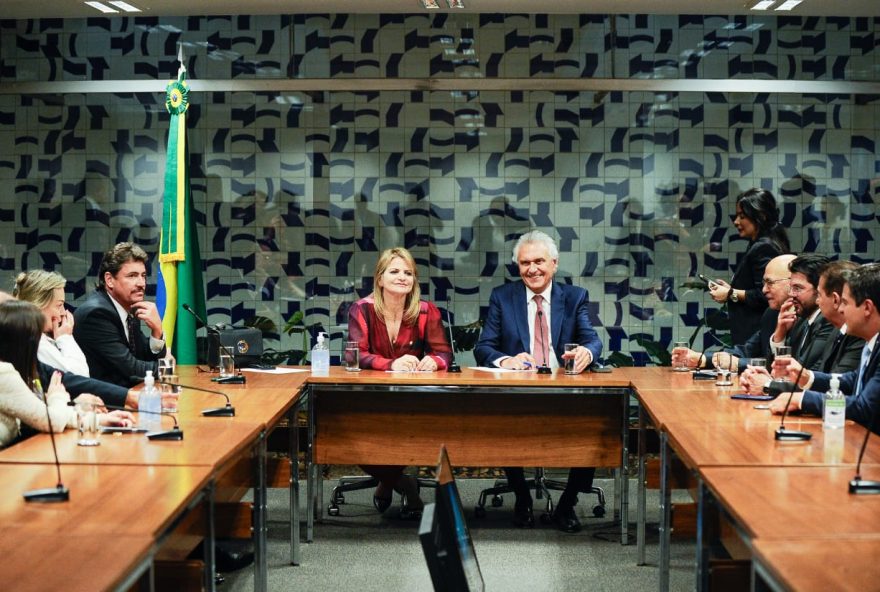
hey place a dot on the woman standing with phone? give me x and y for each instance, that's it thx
(757, 219)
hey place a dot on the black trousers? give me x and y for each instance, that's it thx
(580, 480)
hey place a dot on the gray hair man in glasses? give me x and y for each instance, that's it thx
(775, 290)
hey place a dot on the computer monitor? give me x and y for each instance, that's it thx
(446, 541)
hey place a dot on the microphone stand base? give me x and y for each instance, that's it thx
(544, 370)
(454, 368)
(237, 379)
(48, 495)
(228, 411)
(174, 434)
(791, 435)
(861, 486)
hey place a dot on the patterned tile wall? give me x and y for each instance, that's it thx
(297, 192)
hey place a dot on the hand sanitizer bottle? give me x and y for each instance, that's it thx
(835, 406)
(321, 357)
(150, 401)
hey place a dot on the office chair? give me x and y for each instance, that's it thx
(357, 482)
(542, 486)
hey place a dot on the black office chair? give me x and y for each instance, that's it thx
(358, 482)
(542, 486)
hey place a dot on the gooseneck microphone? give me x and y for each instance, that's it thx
(706, 374)
(543, 368)
(238, 378)
(49, 495)
(858, 485)
(785, 434)
(174, 433)
(453, 365)
(227, 411)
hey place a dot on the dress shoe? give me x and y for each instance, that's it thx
(523, 516)
(566, 520)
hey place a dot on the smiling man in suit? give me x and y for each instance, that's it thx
(108, 323)
(845, 350)
(528, 325)
(859, 305)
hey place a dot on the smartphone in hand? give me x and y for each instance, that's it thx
(711, 283)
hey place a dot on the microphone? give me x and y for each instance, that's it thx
(48, 495)
(174, 433)
(858, 485)
(227, 411)
(238, 378)
(543, 368)
(781, 432)
(453, 365)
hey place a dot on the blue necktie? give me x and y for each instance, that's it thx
(866, 355)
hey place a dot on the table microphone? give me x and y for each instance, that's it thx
(174, 433)
(781, 432)
(453, 365)
(238, 378)
(859, 485)
(59, 493)
(227, 411)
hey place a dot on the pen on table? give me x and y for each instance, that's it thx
(527, 364)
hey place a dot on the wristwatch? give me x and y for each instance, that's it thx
(732, 296)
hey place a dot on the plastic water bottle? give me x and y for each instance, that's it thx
(150, 400)
(321, 357)
(835, 406)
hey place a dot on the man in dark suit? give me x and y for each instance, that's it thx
(801, 325)
(843, 351)
(528, 325)
(775, 291)
(859, 305)
(109, 331)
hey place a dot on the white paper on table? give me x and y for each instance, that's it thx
(275, 370)
(491, 369)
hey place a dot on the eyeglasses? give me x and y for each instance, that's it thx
(769, 283)
(797, 289)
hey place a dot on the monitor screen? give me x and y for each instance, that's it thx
(446, 540)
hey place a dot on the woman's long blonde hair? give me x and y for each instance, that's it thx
(412, 303)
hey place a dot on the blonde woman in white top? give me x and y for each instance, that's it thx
(20, 396)
(58, 348)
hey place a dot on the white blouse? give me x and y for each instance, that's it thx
(19, 404)
(64, 354)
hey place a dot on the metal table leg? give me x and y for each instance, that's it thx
(210, 553)
(310, 472)
(704, 506)
(624, 476)
(665, 512)
(261, 564)
(642, 490)
(293, 451)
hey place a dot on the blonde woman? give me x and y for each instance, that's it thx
(398, 331)
(58, 348)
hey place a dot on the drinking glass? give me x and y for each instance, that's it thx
(758, 363)
(168, 384)
(680, 365)
(87, 421)
(569, 362)
(783, 355)
(351, 357)
(227, 364)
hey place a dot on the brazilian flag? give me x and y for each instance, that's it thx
(180, 266)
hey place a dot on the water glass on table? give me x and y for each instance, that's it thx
(168, 383)
(227, 363)
(87, 422)
(569, 361)
(781, 361)
(351, 357)
(680, 356)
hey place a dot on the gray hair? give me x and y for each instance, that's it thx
(536, 236)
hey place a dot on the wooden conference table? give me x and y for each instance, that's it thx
(484, 418)
(707, 430)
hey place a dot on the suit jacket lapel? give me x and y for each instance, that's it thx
(557, 316)
(521, 315)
